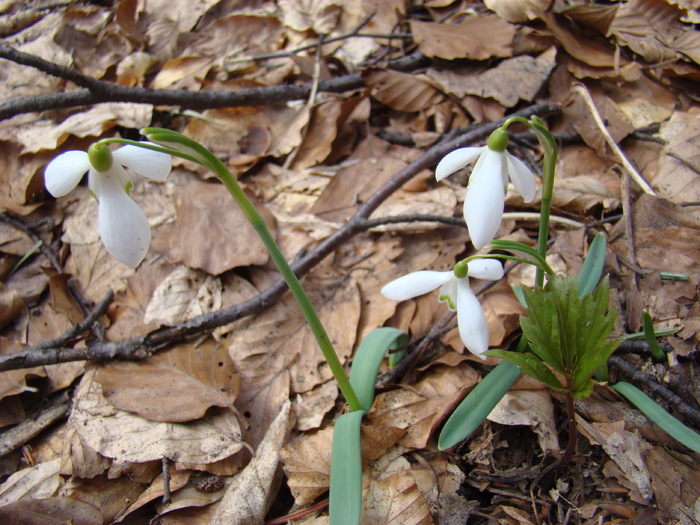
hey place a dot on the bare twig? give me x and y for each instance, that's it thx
(581, 89)
(143, 346)
(32, 426)
(99, 91)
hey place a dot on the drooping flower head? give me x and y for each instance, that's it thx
(483, 205)
(456, 292)
(123, 226)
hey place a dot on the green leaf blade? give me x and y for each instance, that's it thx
(345, 506)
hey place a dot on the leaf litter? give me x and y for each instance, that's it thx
(204, 404)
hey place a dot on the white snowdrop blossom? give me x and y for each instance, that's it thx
(483, 205)
(124, 228)
(456, 292)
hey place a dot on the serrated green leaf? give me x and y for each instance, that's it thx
(368, 358)
(541, 329)
(345, 506)
(658, 415)
(478, 404)
(530, 365)
(589, 276)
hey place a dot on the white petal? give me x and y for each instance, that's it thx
(473, 327)
(456, 161)
(116, 175)
(522, 178)
(483, 205)
(448, 293)
(490, 269)
(64, 172)
(415, 284)
(151, 164)
(123, 225)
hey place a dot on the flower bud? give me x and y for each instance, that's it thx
(461, 269)
(498, 141)
(100, 157)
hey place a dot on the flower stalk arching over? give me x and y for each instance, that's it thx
(483, 204)
(456, 292)
(124, 228)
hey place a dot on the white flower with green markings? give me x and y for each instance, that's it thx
(456, 292)
(483, 205)
(124, 228)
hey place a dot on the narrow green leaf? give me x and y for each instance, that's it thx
(522, 252)
(368, 358)
(478, 404)
(592, 267)
(650, 337)
(519, 295)
(346, 470)
(530, 365)
(658, 415)
(26, 256)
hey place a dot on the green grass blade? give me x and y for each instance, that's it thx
(658, 415)
(26, 256)
(346, 470)
(368, 357)
(650, 337)
(592, 267)
(472, 411)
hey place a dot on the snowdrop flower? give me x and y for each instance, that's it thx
(483, 205)
(456, 292)
(123, 226)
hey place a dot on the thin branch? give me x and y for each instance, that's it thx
(33, 426)
(143, 346)
(99, 91)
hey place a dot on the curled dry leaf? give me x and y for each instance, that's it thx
(176, 385)
(516, 11)
(11, 304)
(395, 499)
(38, 482)
(400, 91)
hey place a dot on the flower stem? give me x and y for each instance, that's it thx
(201, 155)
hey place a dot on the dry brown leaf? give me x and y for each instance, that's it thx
(126, 437)
(252, 491)
(596, 16)
(302, 15)
(625, 449)
(676, 485)
(207, 211)
(395, 499)
(39, 482)
(400, 91)
(79, 460)
(276, 350)
(532, 408)
(321, 132)
(307, 464)
(175, 386)
(514, 79)
(311, 407)
(182, 295)
(420, 409)
(11, 304)
(178, 479)
(475, 37)
(676, 180)
(189, 496)
(516, 11)
(50, 510)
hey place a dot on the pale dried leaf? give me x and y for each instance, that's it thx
(250, 495)
(516, 11)
(40, 481)
(176, 385)
(302, 15)
(395, 499)
(182, 295)
(400, 91)
(78, 459)
(311, 407)
(126, 437)
(307, 464)
(51, 511)
(532, 408)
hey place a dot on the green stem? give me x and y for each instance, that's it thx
(204, 157)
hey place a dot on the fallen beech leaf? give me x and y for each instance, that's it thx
(182, 295)
(50, 511)
(178, 479)
(110, 496)
(276, 350)
(207, 211)
(475, 37)
(175, 386)
(516, 11)
(311, 407)
(252, 492)
(11, 304)
(395, 499)
(307, 464)
(321, 131)
(127, 437)
(302, 15)
(79, 459)
(40, 481)
(529, 407)
(675, 483)
(400, 91)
